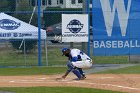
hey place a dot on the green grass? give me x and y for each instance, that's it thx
(126, 70)
(10, 57)
(61, 70)
(54, 90)
(32, 71)
(110, 59)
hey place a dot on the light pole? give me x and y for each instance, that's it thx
(85, 7)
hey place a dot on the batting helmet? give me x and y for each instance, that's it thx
(64, 49)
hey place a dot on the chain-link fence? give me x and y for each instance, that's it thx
(20, 53)
(25, 52)
(19, 35)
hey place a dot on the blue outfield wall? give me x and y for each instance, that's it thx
(116, 27)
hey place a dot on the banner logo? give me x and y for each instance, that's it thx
(8, 24)
(75, 26)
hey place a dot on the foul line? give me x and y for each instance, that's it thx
(78, 82)
(106, 85)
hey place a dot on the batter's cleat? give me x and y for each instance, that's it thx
(76, 79)
(83, 77)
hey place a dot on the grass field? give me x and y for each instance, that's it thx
(56, 70)
(54, 90)
(126, 70)
(32, 71)
(10, 57)
(60, 70)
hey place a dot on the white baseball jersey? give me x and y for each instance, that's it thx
(86, 61)
(77, 52)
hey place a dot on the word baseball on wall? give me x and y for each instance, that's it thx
(116, 27)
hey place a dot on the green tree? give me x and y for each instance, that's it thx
(54, 16)
(12, 5)
(29, 45)
(26, 12)
(90, 1)
(7, 5)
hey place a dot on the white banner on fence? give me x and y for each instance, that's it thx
(13, 28)
(74, 28)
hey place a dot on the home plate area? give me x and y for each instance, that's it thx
(129, 83)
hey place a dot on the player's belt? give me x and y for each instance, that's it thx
(88, 59)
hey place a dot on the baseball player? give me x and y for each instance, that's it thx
(77, 60)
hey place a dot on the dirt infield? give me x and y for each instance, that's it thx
(120, 82)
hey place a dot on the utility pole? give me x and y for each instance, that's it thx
(84, 44)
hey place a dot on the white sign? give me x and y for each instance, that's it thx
(74, 28)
